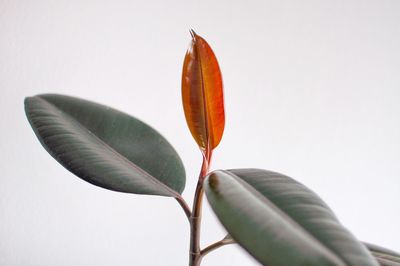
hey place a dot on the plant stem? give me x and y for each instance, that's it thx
(195, 222)
(216, 245)
(184, 206)
(195, 218)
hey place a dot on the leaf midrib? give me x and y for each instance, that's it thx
(111, 149)
(295, 224)
(203, 94)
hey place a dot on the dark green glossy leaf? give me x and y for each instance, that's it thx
(281, 222)
(384, 256)
(105, 147)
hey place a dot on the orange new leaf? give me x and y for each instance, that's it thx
(202, 94)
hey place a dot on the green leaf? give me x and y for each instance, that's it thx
(105, 147)
(384, 256)
(281, 222)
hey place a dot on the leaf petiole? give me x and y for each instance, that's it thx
(216, 245)
(184, 206)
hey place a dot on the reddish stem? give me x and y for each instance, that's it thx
(195, 218)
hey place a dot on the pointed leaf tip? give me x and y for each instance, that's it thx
(192, 33)
(202, 94)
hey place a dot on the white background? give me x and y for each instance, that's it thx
(312, 90)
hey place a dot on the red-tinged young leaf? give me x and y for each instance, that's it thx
(202, 94)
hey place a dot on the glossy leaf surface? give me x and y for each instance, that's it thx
(281, 222)
(105, 147)
(384, 256)
(202, 94)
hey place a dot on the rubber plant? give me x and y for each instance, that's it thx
(273, 217)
